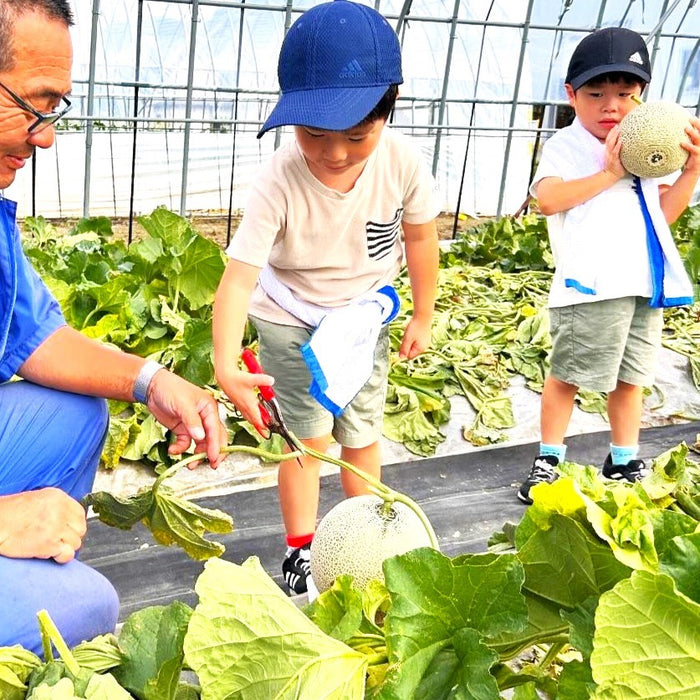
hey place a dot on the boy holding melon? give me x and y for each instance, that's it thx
(616, 263)
(314, 257)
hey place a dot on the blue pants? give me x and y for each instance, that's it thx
(51, 438)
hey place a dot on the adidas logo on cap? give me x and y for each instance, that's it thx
(636, 58)
(353, 70)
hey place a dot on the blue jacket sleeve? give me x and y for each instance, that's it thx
(28, 311)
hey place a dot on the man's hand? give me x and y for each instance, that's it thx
(42, 524)
(190, 413)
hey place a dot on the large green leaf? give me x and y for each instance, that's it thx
(681, 561)
(151, 643)
(248, 640)
(567, 564)
(16, 665)
(202, 266)
(647, 643)
(435, 599)
(170, 518)
(464, 670)
(175, 520)
(405, 422)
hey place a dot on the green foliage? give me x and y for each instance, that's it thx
(154, 297)
(686, 232)
(593, 594)
(171, 519)
(508, 243)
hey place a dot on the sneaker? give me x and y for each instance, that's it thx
(296, 568)
(542, 472)
(634, 470)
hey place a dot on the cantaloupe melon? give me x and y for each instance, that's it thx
(356, 536)
(651, 135)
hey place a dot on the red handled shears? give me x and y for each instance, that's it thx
(269, 406)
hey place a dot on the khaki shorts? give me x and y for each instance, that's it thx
(359, 425)
(597, 344)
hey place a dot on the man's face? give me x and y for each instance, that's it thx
(41, 76)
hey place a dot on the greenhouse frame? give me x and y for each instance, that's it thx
(168, 96)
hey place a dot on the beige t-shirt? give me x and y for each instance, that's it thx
(330, 247)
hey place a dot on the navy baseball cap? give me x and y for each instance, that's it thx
(609, 50)
(336, 62)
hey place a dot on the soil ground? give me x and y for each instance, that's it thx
(216, 226)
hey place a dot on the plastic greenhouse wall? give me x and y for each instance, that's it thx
(169, 94)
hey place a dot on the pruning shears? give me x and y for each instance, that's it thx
(269, 406)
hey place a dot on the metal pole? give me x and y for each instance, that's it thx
(601, 13)
(229, 219)
(686, 72)
(445, 84)
(135, 112)
(287, 24)
(188, 107)
(471, 123)
(403, 14)
(666, 14)
(514, 107)
(90, 107)
(654, 33)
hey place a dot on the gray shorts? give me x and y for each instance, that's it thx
(359, 425)
(597, 344)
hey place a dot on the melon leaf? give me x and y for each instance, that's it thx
(151, 643)
(646, 641)
(438, 602)
(247, 639)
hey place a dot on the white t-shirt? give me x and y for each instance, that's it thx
(326, 246)
(601, 245)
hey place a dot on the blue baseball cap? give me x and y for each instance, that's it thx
(336, 62)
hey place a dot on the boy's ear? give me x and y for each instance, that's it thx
(570, 93)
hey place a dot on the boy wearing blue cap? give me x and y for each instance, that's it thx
(317, 250)
(616, 263)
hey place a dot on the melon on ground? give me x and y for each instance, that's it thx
(651, 136)
(355, 537)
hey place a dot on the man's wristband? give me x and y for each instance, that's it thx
(143, 380)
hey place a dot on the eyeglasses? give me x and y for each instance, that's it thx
(43, 119)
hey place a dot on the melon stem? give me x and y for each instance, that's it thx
(229, 449)
(51, 635)
(374, 486)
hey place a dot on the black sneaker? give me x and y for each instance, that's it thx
(542, 472)
(634, 470)
(296, 568)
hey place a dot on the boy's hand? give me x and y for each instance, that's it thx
(416, 339)
(613, 145)
(693, 130)
(675, 199)
(240, 386)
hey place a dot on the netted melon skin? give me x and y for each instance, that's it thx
(352, 538)
(651, 135)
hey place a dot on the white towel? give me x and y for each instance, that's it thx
(340, 352)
